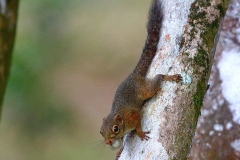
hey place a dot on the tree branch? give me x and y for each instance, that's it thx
(185, 47)
(8, 21)
(217, 135)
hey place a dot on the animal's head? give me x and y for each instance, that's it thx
(113, 130)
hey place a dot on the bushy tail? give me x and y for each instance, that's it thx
(153, 28)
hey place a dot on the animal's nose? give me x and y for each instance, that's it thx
(109, 141)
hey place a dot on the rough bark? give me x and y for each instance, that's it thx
(8, 21)
(218, 132)
(186, 47)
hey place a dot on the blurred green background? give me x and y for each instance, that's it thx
(69, 58)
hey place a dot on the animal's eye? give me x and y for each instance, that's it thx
(100, 132)
(115, 129)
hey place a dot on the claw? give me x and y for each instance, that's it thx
(144, 136)
(177, 78)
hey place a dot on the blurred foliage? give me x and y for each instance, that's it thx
(34, 55)
(61, 44)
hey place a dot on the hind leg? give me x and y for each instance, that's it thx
(149, 87)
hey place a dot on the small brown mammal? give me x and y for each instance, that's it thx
(126, 114)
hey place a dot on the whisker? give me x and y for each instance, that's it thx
(95, 146)
(97, 141)
(99, 145)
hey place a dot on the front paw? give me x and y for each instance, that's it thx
(177, 78)
(119, 153)
(144, 136)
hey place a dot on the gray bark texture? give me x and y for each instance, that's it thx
(186, 47)
(8, 21)
(218, 132)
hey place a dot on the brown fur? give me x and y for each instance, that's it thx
(126, 112)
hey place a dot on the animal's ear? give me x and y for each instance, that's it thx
(118, 119)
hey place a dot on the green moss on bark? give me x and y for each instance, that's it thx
(201, 61)
(201, 33)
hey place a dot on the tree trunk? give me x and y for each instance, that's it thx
(8, 21)
(186, 47)
(218, 132)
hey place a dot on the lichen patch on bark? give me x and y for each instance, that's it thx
(180, 118)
